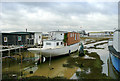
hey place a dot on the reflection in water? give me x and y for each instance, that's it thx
(15, 60)
(29, 67)
(13, 65)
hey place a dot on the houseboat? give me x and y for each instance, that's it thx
(114, 48)
(21, 38)
(59, 43)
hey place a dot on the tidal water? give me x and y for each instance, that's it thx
(104, 55)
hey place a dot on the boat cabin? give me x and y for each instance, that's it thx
(59, 39)
(71, 38)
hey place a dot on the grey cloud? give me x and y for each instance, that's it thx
(76, 7)
(17, 14)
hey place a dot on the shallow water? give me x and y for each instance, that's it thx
(13, 64)
(104, 55)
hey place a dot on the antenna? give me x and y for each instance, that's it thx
(26, 29)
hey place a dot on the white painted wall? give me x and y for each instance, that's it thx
(57, 35)
(38, 38)
(116, 41)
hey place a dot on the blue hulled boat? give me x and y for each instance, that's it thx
(114, 48)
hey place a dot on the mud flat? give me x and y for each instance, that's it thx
(89, 68)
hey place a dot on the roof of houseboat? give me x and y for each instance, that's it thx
(59, 31)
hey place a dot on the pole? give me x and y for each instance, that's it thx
(50, 60)
(9, 52)
(21, 62)
(29, 41)
(49, 65)
(40, 55)
(0, 56)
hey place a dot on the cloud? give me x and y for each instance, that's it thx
(48, 16)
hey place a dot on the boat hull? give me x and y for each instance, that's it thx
(115, 58)
(111, 70)
(115, 62)
(55, 52)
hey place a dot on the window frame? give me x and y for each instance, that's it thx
(47, 43)
(57, 44)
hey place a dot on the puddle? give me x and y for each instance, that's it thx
(87, 57)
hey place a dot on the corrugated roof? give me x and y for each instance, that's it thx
(16, 33)
(23, 32)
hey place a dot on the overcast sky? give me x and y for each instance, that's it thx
(49, 16)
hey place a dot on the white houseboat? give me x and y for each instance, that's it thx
(59, 43)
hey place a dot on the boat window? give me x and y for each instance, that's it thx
(5, 39)
(61, 43)
(57, 43)
(71, 35)
(32, 36)
(19, 38)
(48, 43)
(78, 36)
(75, 36)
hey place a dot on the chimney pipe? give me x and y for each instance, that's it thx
(26, 29)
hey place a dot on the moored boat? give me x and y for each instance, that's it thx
(114, 48)
(59, 43)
